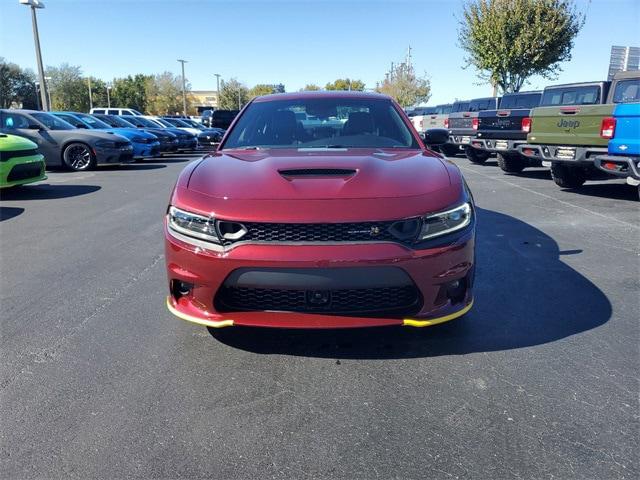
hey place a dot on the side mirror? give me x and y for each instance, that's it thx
(436, 136)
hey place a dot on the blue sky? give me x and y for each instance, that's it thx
(294, 43)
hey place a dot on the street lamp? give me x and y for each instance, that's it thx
(108, 85)
(36, 38)
(217, 75)
(47, 86)
(184, 95)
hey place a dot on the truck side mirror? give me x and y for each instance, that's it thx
(436, 136)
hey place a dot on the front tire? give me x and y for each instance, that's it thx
(511, 163)
(475, 155)
(567, 177)
(78, 157)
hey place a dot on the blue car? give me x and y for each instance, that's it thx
(144, 144)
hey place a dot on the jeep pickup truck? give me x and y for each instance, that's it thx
(623, 157)
(567, 131)
(424, 119)
(464, 124)
(458, 106)
(502, 131)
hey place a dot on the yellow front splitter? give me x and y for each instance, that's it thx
(199, 321)
(410, 322)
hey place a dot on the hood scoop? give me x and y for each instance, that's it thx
(317, 172)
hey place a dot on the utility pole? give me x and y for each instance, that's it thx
(36, 39)
(90, 95)
(48, 89)
(37, 84)
(217, 75)
(108, 96)
(184, 94)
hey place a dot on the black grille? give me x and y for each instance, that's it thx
(6, 156)
(403, 300)
(24, 171)
(403, 231)
(317, 172)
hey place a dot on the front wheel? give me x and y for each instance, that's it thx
(78, 157)
(567, 177)
(511, 163)
(475, 155)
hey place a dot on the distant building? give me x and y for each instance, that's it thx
(623, 59)
(205, 98)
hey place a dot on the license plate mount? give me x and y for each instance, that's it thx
(502, 145)
(564, 153)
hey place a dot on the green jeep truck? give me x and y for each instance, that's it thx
(569, 128)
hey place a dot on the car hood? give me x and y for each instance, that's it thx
(291, 174)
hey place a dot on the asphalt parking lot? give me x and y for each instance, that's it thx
(99, 380)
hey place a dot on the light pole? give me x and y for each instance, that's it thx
(184, 94)
(37, 84)
(90, 94)
(36, 38)
(217, 75)
(47, 87)
(108, 96)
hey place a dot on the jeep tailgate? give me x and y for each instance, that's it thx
(569, 125)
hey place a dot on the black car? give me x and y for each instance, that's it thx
(219, 118)
(168, 141)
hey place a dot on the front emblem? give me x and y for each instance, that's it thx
(375, 231)
(622, 147)
(317, 298)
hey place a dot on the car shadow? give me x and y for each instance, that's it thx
(524, 296)
(613, 190)
(7, 213)
(131, 166)
(47, 191)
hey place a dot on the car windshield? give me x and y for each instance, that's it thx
(141, 122)
(321, 123)
(71, 120)
(162, 122)
(627, 91)
(176, 122)
(52, 122)
(93, 122)
(587, 95)
(115, 121)
(481, 104)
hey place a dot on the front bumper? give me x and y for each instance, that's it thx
(188, 144)
(22, 170)
(430, 270)
(461, 139)
(142, 150)
(581, 156)
(114, 155)
(623, 166)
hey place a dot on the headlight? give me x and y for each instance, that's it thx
(193, 225)
(105, 144)
(446, 222)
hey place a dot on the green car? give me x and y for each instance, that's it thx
(20, 161)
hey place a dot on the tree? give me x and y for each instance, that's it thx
(508, 41)
(164, 94)
(67, 87)
(261, 89)
(99, 92)
(405, 86)
(310, 87)
(345, 84)
(17, 86)
(131, 92)
(233, 95)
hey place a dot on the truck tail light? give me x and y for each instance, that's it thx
(526, 124)
(474, 123)
(608, 127)
(446, 123)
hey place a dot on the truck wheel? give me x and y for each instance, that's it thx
(510, 163)
(476, 156)
(567, 177)
(78, 157)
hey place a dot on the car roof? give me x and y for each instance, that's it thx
(320, 94)
(626, 74)
(577, 84)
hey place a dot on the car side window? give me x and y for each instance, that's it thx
(12, 121)
(114, 112)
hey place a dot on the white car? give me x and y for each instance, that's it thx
(115, 111)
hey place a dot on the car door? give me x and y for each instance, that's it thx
(21, 124)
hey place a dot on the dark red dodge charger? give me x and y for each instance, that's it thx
(320, 210)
